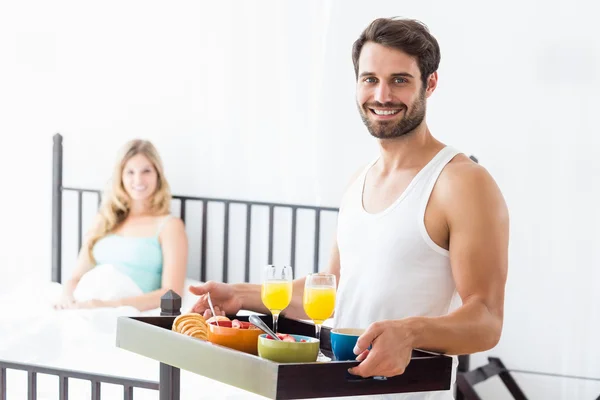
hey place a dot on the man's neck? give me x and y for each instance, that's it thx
(407, 151)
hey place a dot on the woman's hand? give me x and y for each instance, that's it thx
(66, 300)
(92, 304)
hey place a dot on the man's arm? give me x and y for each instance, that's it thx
(478, 224)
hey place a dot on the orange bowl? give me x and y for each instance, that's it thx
(243, 339)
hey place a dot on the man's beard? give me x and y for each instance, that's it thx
(394, 129)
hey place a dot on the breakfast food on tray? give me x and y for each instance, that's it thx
(227, 323)
(217, 318)
(236, 324)
(191, 324)
(285, 337)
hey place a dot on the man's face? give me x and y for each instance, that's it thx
(389, 92)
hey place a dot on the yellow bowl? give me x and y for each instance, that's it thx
(242, 339)
(289, 352)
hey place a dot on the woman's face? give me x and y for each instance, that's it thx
(139, 178)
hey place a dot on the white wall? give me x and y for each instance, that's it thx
(255, 100)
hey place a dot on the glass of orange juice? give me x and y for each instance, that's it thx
(276, 291)
(319, 301)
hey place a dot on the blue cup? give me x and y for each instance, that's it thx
(343, 341)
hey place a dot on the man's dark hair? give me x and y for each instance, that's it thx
(408, 35)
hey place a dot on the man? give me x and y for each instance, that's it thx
(417, 226)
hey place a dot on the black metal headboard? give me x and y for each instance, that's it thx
(57, 210)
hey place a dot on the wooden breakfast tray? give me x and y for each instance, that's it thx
(152, 337)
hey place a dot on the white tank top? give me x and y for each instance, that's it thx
(390, 267)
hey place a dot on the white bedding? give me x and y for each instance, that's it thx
(84, 340)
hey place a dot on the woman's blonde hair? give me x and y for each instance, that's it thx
(116, 202)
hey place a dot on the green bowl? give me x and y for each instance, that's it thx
(289, 352)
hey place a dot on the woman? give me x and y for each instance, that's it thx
(135, 233)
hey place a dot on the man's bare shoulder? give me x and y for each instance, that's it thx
(467, 185)
(462, 173)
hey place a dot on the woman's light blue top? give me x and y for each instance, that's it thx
(140, 258)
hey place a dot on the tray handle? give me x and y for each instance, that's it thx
(356, 378)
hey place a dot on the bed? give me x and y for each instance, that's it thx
(235, 238)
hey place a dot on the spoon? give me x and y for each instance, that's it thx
(255, 320)
(212, 308)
